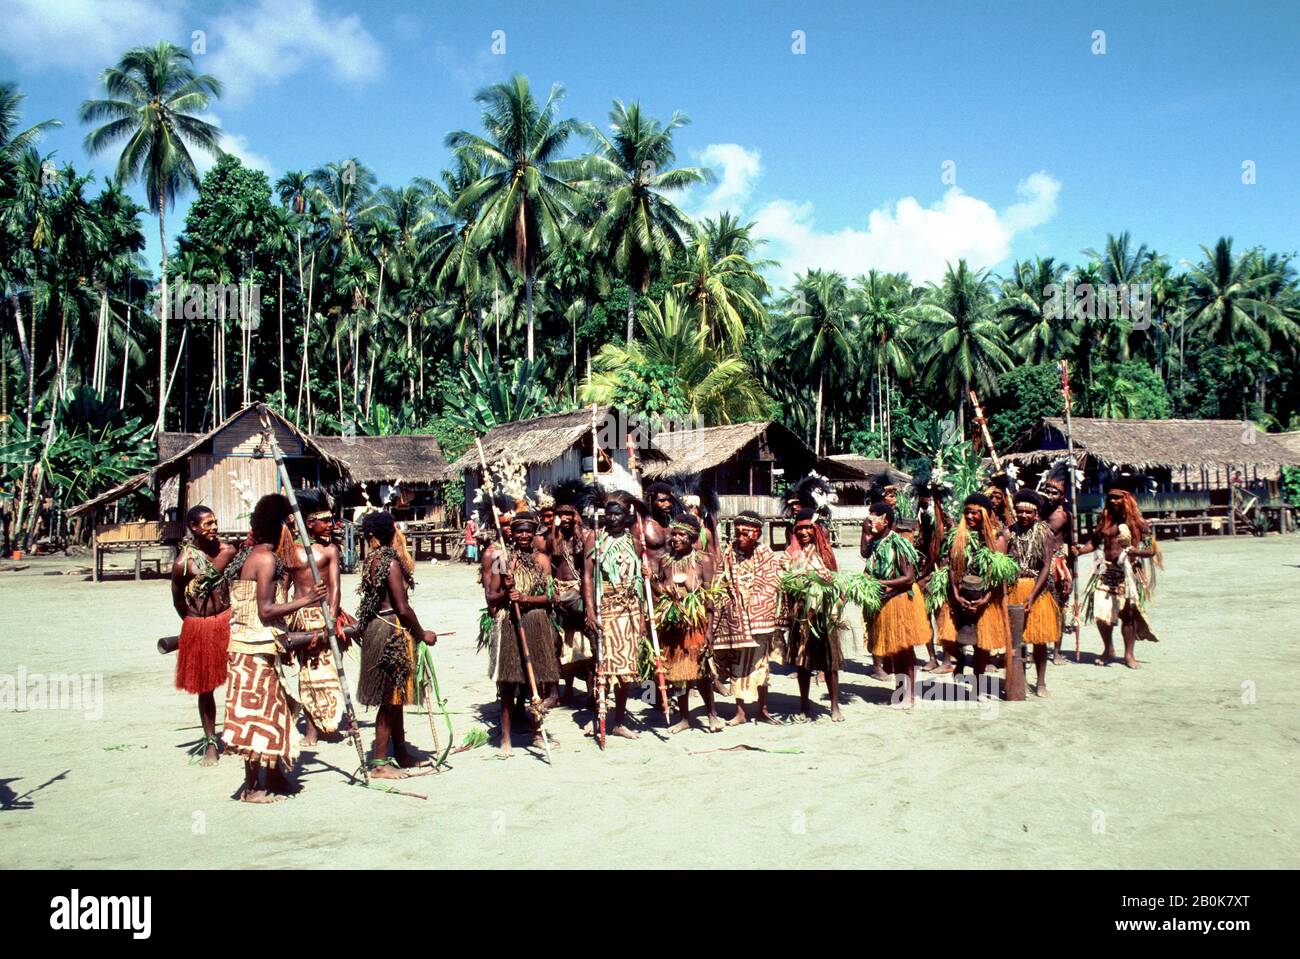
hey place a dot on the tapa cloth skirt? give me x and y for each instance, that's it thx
(622, 628)
(901, 624)
(201, 658)
(747, 667)
(318, 677)
(992, 627)
(259, 719)
(387, 665)
(1043, 624)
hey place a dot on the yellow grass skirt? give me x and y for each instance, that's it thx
(1043, 624)
(992, 628)
(901, 624)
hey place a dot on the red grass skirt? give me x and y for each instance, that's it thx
(201, 657)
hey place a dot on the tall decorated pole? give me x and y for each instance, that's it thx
(535, 706)
(660, 679)
(601, 682)
(304, 540)
(984, 430)
(1074, 502)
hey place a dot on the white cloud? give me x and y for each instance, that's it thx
(85, 34)
(236, 143)
(737, 170)
(909, 238)
(276, 38)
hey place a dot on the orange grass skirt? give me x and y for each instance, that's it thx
(992, 628)
(901, 624)
(201, 657)
(1043, 624)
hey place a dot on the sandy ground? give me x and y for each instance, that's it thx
(1190, 762)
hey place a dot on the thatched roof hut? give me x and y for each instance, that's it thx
(1150, 444)
(228, 468)
(857, 491)
(395, 460)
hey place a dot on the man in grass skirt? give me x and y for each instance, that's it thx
(746, 634)
(684, 601)
(1032, 545)
(202, 600)
(518, 579)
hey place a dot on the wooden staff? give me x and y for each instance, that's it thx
(660, 679)
(535, 707)
(600, 634)
(1074, 505)
(984, 429)
(304, 540)
(294, 640)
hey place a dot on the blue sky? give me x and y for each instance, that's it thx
(839, 152)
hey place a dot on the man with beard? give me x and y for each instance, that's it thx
(564, 547)
(1120, 586)
(613, 562)
(202, 600)
(746, 636)
(664, 507)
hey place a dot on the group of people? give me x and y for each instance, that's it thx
(238, 606)
(621, 591)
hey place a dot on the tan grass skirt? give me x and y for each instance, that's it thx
(901, 624)
(1043, 624)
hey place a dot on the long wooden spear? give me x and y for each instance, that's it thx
(1074, 504)
(535, 707)
(660, 679)
(601, 681)
(304, 540)
(984, 428)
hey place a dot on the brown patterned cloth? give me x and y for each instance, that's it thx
(318, 677)
(259, 721)
(754, 581)
(622, 625)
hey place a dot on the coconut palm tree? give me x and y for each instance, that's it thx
(962, 345)
(639, 228)
(721, 284)
(1034, 313)
(714, 384)
(153, 100)
(524, 196)
(345, 192)
(820, 330)
(1234, 299)
(883, 305)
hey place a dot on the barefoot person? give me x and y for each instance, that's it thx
(1119, 587)
(746, 636)
(901, 623)
(816, 626)
(1061, 523)
(259, 714)
(682, 583)
(318, 677)
(974, 611)
(1031, 545)
(620, 615)
(389, 630)
(564, 547)
(202, 601)
(519, 579)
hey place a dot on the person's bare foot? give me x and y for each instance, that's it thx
(409, 758)
(537, 741)
(739, 719)
(1058, 659)
(387, 771)
(260, 796)
(766, 717)
(715, 724)
(624, 732)
(1131, 662)
(210, 756)
(931, 666)
(907, 703)
(310, 737)
(836, 715)
(878, 672)
(1040, 690)
(679, 727)
(945, 669)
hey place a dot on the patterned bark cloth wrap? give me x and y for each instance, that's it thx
(318, 678)
(259, 720)
(622, 624)
(747, 668)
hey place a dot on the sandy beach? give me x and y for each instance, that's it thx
(1189, 762)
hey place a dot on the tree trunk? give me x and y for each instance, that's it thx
(410, 347)
(478, 323)
(338, 375)
(961, 409)
(284, 400)
(162, 326)
(631, 316)
(126, 343)
(528, 294)
(817, 429)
